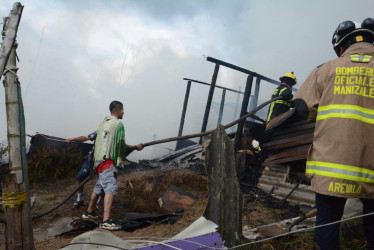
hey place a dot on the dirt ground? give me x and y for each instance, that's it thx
(139, 192)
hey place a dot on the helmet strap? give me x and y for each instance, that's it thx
(341, 51)
(288, 81)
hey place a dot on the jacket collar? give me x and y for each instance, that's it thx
(283, 83)
(360, 48)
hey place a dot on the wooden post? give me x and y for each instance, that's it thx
(225, 198)
(16, 199)
(9, 34)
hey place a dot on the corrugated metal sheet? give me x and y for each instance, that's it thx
(286, 151)
(276, 177)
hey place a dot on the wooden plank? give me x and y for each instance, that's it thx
(306, 127)
(292, 134)
(10, 28)
(224, 205)
(299, 150)
(18, 224)
(285, 160)
(288, 142)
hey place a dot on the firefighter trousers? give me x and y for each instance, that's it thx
(330, 209)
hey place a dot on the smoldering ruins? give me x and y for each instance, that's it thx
(216, 189)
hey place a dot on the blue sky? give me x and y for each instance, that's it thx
(78, 56)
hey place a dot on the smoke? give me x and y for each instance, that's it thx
(138, 52)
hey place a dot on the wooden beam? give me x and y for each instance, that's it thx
(10, 29)
(299, 150)
(290, 130)
(288, 142)
(286, 160)
(295, 133)
(16, 198)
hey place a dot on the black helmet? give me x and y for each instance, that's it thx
(346, 29)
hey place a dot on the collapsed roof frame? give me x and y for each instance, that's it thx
(245, 102)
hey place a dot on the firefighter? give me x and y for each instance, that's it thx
(339, 96)
(285, 90)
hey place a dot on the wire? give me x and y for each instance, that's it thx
(303, 230)
(123, 66)
(106, 245)
(152, 241)
(91, 243)
(251, 243)
(159, 238)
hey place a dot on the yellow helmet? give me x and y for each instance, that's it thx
(289, 75)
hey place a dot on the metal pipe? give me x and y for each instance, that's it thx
(243, 118)
(221, 106)
(236, 107)
(255, 95)
(181, 124)
(220, 87)
(254, 100)
(243, 70)
(209, 101)
(247, 94)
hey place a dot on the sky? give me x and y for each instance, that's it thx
(76, 56)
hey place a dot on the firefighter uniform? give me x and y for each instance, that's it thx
(340, 98)
(280, 106)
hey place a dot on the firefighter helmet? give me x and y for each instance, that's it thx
(346, 30)
(288, 78)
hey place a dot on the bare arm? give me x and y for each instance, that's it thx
(135, 147)
(78, 139)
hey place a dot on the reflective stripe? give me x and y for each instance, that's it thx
(361, 58)
(340, 171)
(270, 111)
(276, 94)
(287, 103)
(282, 91)
(346, 111)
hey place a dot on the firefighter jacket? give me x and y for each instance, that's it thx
(280, 106)
(340, 98)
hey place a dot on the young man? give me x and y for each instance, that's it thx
(109, 154)
(339, 96)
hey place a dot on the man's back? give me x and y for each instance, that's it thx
(340, 96)
(110, 142)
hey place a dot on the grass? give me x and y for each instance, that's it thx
(351, 237)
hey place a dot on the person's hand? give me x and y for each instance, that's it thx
(70, 140)
(139, 147)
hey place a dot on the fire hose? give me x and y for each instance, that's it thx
(211, 131)
(159, 142)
